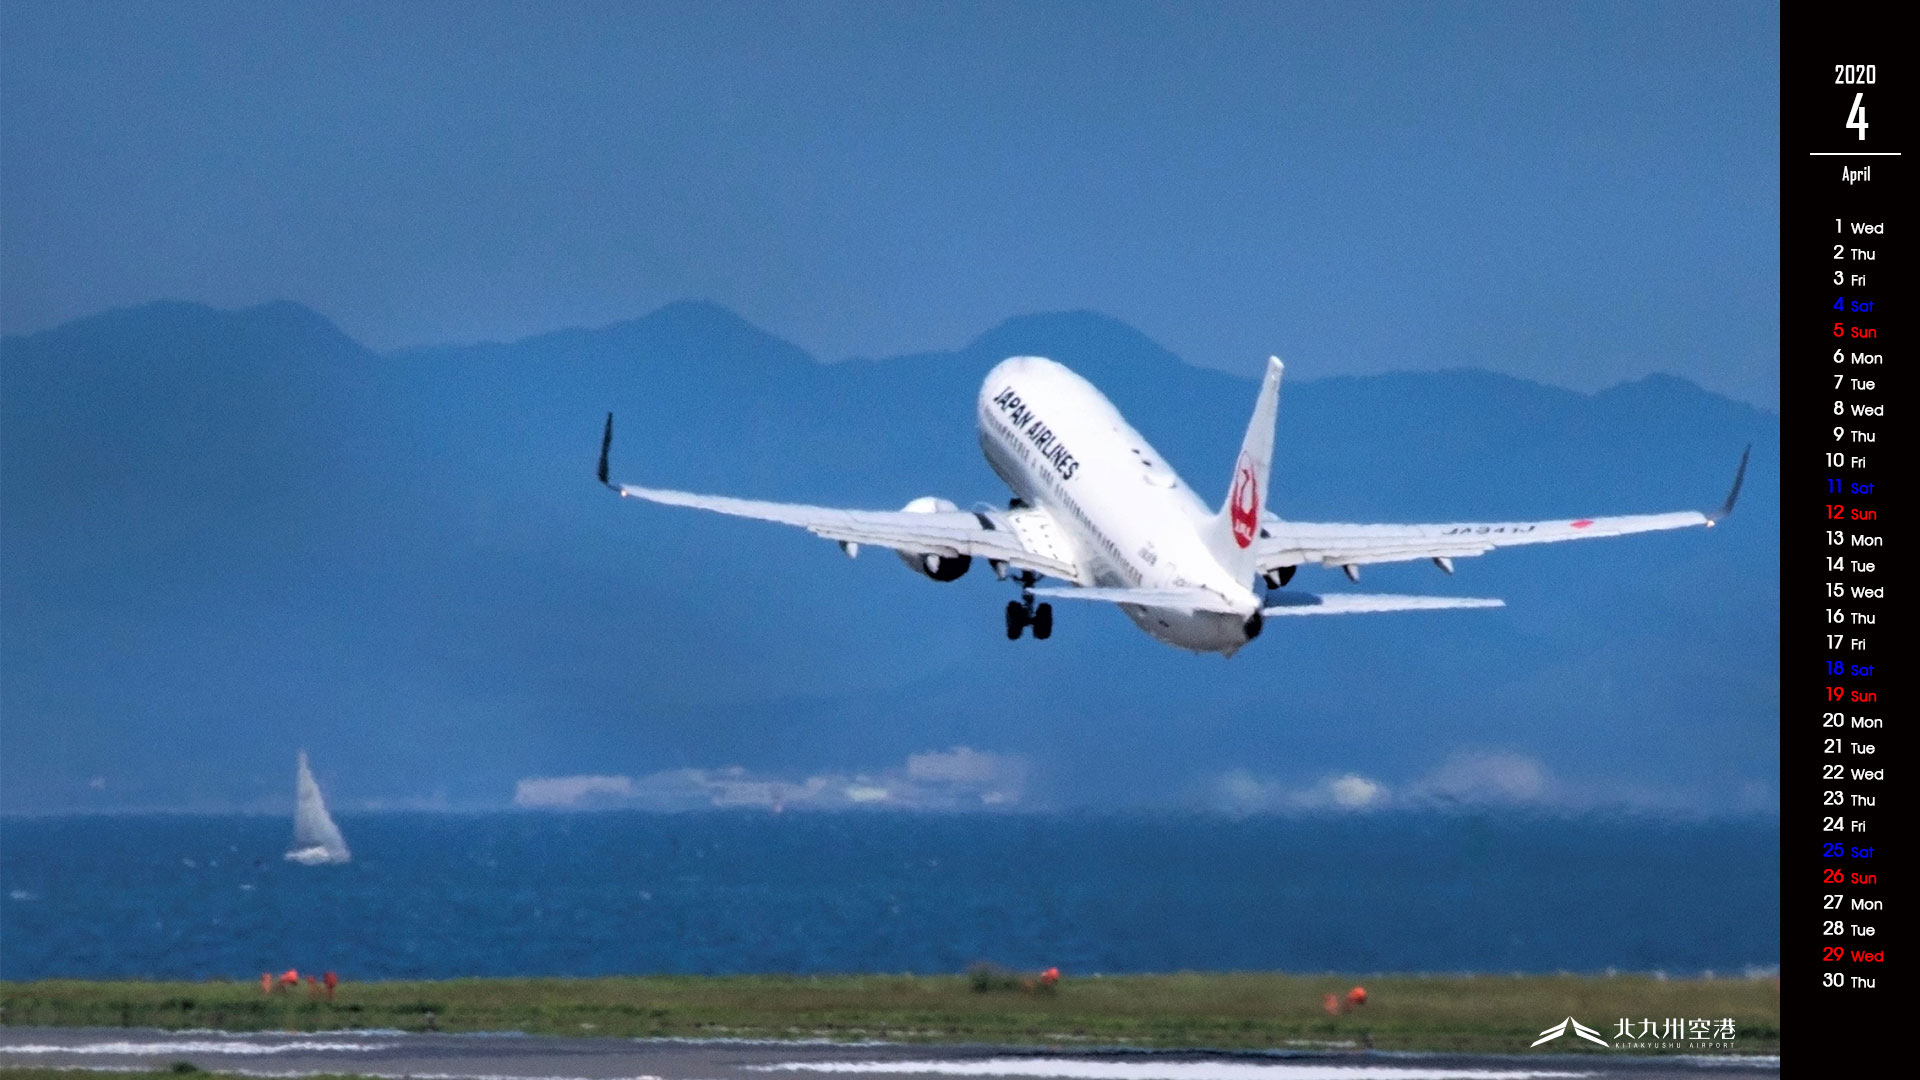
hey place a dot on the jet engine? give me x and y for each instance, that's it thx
(927, 564)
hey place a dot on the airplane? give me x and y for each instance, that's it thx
(1096, 507)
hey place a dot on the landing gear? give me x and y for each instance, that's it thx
(1023, 612)
(1019, 618)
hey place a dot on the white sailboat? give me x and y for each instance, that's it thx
(316, 839)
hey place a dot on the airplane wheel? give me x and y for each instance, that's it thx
(1016, 620)
(1043, 622)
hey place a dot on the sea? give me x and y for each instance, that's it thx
(438, 895)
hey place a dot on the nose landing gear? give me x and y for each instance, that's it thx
(1023, 612)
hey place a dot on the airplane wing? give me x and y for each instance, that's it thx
(1026, 539)
(1293, 543)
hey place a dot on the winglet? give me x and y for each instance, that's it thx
(606, 443)
(1739, 477)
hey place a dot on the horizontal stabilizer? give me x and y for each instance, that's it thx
(1365, 603)
(1171, 599)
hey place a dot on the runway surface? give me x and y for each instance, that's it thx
(540, 1057)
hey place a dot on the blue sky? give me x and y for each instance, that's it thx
(1578, 194)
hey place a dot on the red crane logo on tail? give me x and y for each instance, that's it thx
(1244, 503)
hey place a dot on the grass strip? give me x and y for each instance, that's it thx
(1239, 1011)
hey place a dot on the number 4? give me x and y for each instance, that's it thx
(1857, 116)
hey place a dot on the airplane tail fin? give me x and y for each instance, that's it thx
(1233, 530)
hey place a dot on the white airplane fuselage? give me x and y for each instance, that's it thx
(1129, 519)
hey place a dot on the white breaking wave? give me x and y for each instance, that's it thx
(1079, 1069)
(193, 1046)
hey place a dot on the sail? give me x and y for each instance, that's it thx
(316, 839)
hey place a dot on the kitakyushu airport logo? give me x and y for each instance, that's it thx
(1670, 1033)
(1673, 1033)
(1570, 1024)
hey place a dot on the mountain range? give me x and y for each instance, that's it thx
(229, 535)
